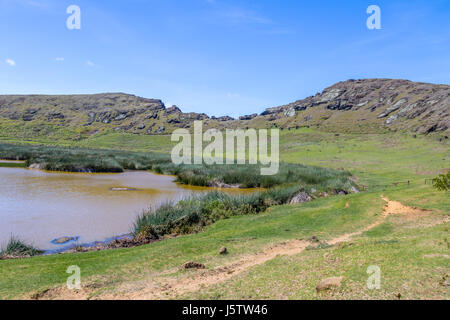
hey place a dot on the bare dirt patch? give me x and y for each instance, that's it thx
(61, 293)
(397, 208)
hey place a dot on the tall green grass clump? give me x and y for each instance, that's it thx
(243, 176)
(82, 160)
(17, 248)
(193, 213)
(249, 176)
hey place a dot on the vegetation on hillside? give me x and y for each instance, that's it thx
(442, 182)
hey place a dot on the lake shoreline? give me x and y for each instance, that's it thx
(294, 183)
(112, 185)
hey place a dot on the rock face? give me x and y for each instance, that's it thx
(248, 117)
(375, 103)
(353, 105)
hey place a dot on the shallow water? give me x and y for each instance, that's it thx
(39, 206)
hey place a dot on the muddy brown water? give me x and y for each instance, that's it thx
(39, 206)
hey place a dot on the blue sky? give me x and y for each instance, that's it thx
(217, 56)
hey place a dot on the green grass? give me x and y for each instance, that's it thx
(376, 159)
(241, 235)
(44, 133)
(401, 259)
(12, 164)
(398, 246)
(410, 254)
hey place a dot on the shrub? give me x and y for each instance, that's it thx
(442, 182)
(17, 248)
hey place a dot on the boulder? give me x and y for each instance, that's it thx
(38, 166)
(64, 240)
(121, 116)
(161, 129)
(92, 116)
(329, 283)
(300, 198)
(354, 190)
(290, 112)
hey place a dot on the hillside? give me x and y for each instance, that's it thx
(369, 105)
(376, 103)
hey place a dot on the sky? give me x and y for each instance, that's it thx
(220, 57)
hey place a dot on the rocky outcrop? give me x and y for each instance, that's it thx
(368, 104)
(378, 103)
(248, 117)
(173, 109)
(222, 119)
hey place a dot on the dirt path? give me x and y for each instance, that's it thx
(171, 287)
(391, 208)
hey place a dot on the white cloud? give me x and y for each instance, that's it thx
(59, 59)
(90, 63)
(236, 15)
(11, 62)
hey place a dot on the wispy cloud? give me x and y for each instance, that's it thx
(235, 15)
(59, 59)
(90, 63)
(11, 62)
(223, 13)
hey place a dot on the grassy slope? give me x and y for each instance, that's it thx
(397, 246)
(17, 132)
(377, 160)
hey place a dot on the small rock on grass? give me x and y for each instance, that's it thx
(193, 265)
(329, 283)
